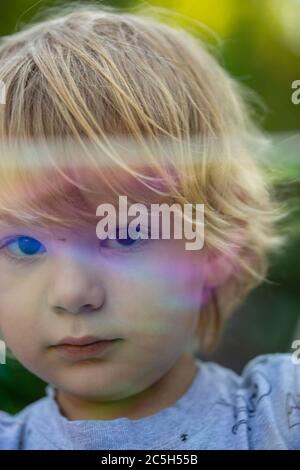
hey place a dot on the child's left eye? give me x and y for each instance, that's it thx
(23, 246)
(123, 239)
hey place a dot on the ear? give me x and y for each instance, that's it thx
(218, 269)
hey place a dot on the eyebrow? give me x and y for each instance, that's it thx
(10, 221)
(40, 231)
(16, 224)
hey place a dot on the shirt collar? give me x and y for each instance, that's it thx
(156, 431)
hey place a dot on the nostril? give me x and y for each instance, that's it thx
(87, 307)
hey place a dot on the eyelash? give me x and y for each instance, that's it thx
(134, 247)
(21, 259)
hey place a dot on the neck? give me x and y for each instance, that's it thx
(162, 394)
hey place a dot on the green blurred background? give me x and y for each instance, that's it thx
(258, 42)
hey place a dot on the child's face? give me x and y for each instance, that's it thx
(63, 283)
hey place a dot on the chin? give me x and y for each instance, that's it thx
(92, 383)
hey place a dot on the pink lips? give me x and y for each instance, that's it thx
(84, 347)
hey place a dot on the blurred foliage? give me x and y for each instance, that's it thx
(258, 42)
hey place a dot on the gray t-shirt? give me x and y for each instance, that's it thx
(259, 409)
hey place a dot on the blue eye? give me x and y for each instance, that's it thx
(24, 246)
(125, 242)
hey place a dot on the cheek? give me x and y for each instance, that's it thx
(22, 336)
(17, 315)
(20, 287)
(18, 336)
(15, 323)
(159, 299)
(176, 284)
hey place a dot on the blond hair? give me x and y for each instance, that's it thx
(94, 72)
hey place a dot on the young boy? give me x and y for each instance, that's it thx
(114, 325)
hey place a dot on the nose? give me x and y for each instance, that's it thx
(76, 286)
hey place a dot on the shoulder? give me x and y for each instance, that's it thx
(261, 406)
(11, 429)
(270, 390)
(283, 366)
(33, 427)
